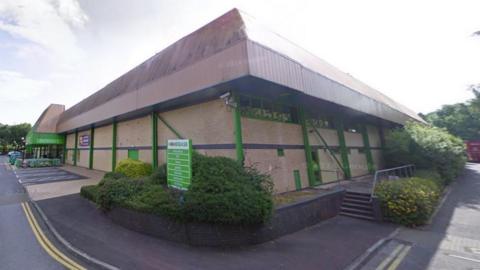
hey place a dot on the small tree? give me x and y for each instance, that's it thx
(427, 147)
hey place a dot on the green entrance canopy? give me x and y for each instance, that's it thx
(36, 138)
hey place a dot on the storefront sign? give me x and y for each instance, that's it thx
(85, 140)
(179, 163)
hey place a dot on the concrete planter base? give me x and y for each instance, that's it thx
(286, 219)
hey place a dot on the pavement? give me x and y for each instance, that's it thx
(332, 244)
(450, 241)
(45, 183)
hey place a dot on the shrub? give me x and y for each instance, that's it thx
(134, 168)
(431, 175)
(428, 148)
(116, 191)
(158, 200)
(408, 201)
(114, 175)
(90, 192)
(222, 191)
(159, 175)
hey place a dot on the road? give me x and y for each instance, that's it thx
(19, 248)
(451, 241)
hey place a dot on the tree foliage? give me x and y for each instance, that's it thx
(461, 119)
(427, 147)
(11, 136)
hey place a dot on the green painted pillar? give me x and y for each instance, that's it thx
(343, 149)
(237, 126)
(154, 140)
(64, 158)
(75, 149)
(114, 145)
(90, 153)
(368, 151)
(308, 150)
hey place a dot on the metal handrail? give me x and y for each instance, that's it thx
(403, 171)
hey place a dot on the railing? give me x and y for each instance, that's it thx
(397, 172)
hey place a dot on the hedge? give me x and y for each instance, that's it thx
(222, 192)
(408, 201)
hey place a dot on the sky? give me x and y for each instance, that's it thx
(420, 53)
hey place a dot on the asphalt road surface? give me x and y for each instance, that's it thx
(19, 248)
(450, 242)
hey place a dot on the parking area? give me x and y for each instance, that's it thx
(32, 176)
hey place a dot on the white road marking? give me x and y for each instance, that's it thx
(464, 258)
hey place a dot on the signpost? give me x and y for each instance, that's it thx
(179, 163)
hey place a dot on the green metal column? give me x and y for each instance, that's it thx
(343, 149)
(368, 151)
(75, 151)
(308, 149)
(237, 125)
(92, 141)
(154, 140)
(114, 145)
(64, 148)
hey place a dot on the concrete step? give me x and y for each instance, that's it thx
(357, 197)
(356, 201)
(358, 193)
(355, 205)
(356, 216)
(353, 210)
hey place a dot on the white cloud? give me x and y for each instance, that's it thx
(48, 23)
(15, 87)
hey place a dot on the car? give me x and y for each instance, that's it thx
(14, 153)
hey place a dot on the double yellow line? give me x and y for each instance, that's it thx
(394, 259)
(46, 244)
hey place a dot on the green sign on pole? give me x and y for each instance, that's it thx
(179, 163)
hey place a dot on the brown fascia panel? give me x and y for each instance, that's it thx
(48, 120)
(231, 46)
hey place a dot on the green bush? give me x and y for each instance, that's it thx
(158, 200)
(159, 175)
(114, 175)
(428, 148)
(134, 168)
(408, 201)
(224, 192)
(116, 191)
(90, 192)
(431, 175)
